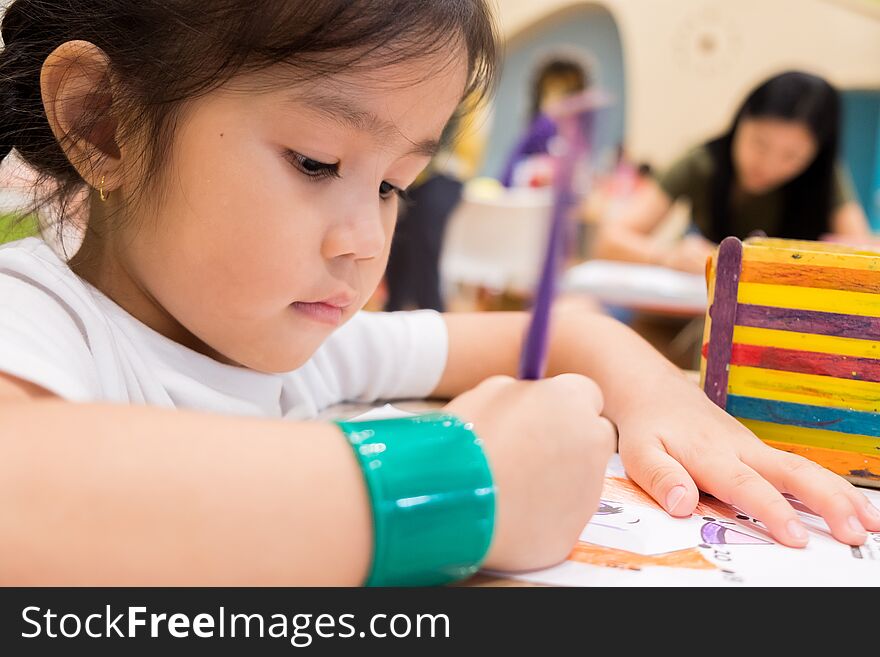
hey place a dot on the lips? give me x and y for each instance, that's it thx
(329, 310)
(322, 313)
(340, 300)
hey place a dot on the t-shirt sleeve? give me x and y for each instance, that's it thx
(42, 341)
(400, 355)
(682, 176)
(843, 190)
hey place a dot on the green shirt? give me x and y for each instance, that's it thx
(691, 177)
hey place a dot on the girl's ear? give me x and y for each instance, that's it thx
(77, 95)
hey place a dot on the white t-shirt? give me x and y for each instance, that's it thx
(61, 333)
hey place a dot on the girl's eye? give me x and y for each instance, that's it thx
(387, 190)
(312, 168)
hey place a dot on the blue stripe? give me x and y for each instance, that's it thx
(803, 415)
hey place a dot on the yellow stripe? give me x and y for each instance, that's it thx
(825, 391)
(823, 344)
(810, 298)
(783, 433)
(791, 252)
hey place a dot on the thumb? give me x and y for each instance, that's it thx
(664, 478)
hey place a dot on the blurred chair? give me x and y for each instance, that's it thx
(496, 239)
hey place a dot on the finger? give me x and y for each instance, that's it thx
(734, 482)
(664, 478)
(495, 382)
(845, 509)
(576, 386)
(607, 437)
(489, 388)
(614, 434)
(483, 394)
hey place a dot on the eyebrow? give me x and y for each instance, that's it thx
(350, 115)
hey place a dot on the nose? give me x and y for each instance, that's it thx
(358, 233)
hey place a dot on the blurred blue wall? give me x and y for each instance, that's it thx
(861, 148)
(590, 31)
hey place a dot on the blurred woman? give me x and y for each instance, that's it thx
(775, 171)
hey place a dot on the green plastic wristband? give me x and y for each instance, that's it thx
(432, 495)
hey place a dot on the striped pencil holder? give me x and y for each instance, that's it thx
(792, 348)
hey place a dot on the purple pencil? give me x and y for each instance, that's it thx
(534, 353)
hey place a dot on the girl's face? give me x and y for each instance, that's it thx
(767, 153)
(275, 221)
(558, 88)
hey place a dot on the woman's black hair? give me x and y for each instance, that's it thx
(791, 96)
(165, 52)
(557, 67)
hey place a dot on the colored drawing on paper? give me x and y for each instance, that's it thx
(798, 505)
(632, 541)
(598, 555)
(608, 508)
(617, 491)
(631, 531)
(714, 533)
(625, 490)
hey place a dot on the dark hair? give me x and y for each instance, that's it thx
(165, 52)
(791, 96)
(556, 68)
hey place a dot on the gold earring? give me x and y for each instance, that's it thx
(104, 196)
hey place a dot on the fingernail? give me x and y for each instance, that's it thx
(855, 525)
(797, 531)
(872, 511)
(674, 496)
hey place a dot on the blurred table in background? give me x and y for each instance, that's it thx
(664, 306)
(639, 287)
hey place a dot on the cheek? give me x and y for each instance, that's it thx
(793, 168)
(241, 237)
(743, 155)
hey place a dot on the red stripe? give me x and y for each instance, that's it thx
(806, 362)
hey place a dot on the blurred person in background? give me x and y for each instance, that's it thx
(412, 277)
(775, 171)
(530, 163)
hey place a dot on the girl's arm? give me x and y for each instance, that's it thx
(582, 341)
(849, 220)
(109, 494)
(99, 494)
(672, 439)
(628, 237)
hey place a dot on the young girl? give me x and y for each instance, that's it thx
(553, 81)
(245, 161)
(775, 171)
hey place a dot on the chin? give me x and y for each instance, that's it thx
(762, 188)
(279, 364)
(278, 361)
